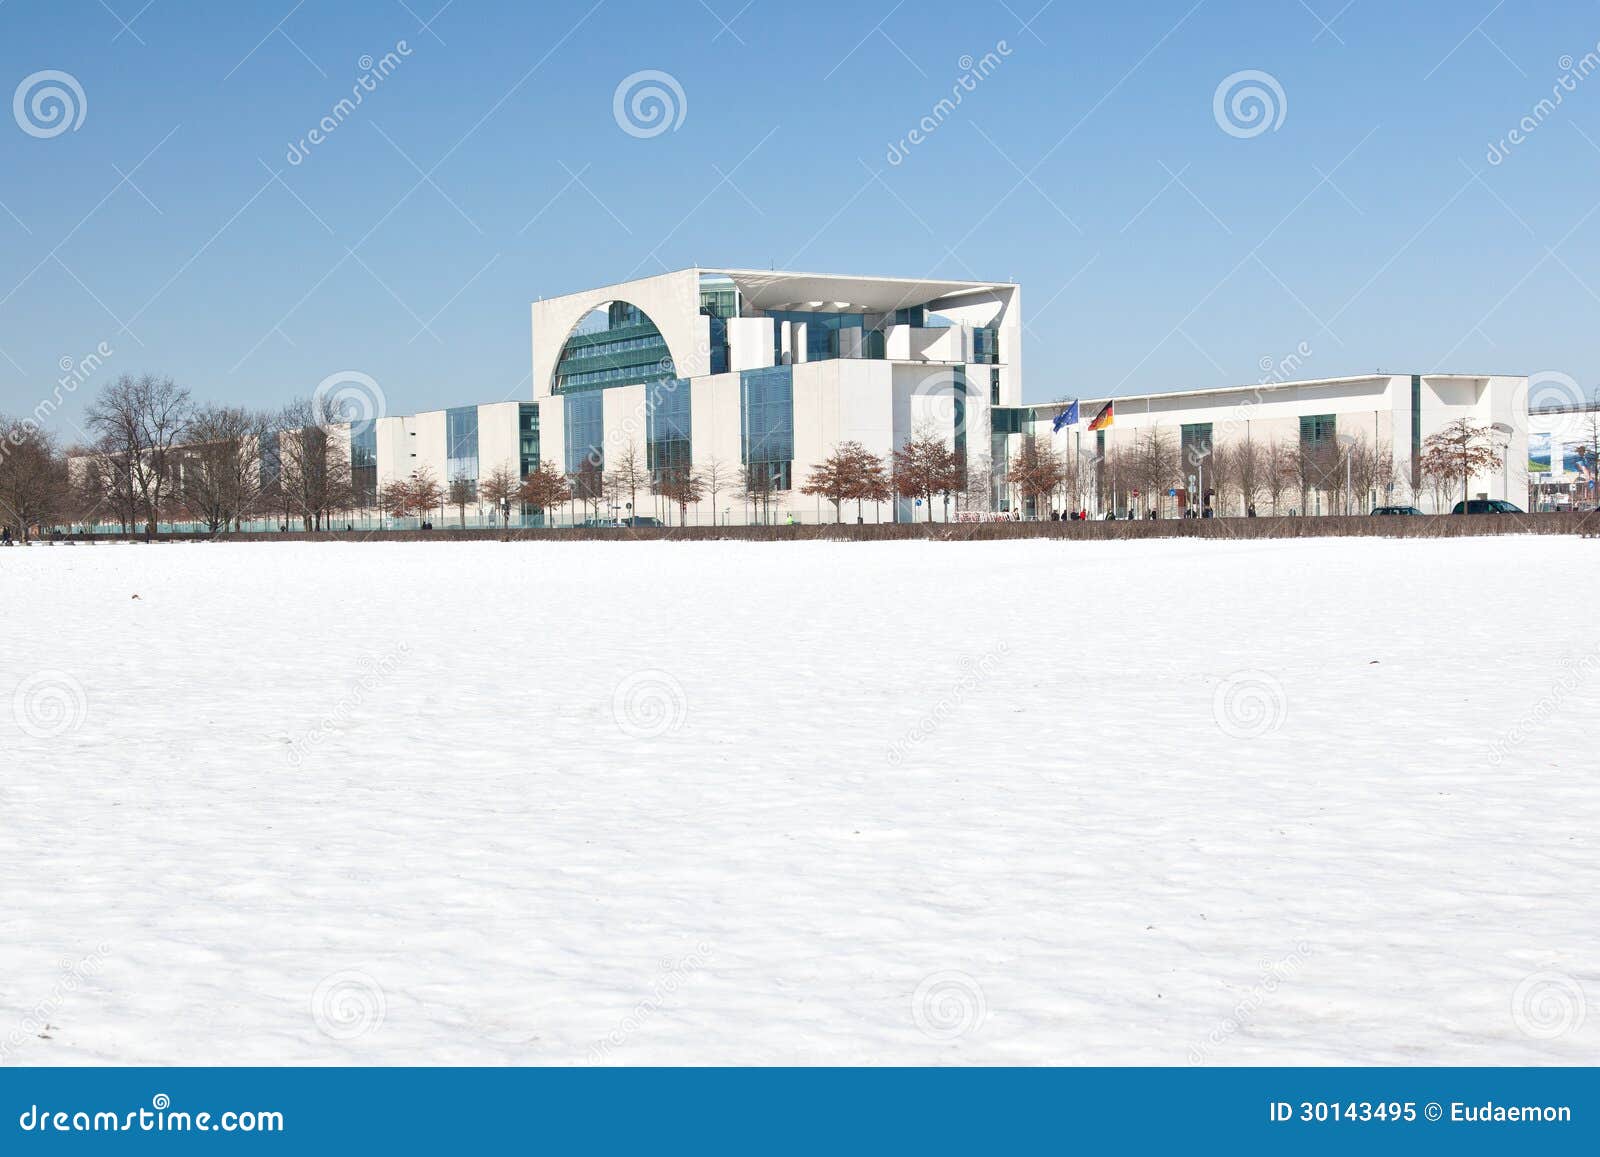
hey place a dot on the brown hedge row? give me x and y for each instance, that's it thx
(1438, 526)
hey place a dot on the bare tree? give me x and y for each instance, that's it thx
(628, 475)
(925, 466)
(1282, 470)
(461, 493)
(426, 493)
(1462, 449)
(717, 476)
(499, 489)
(143, 420)
(314, 462)
(33, 477)
(544, 489)
(1036, 473)
(218, 469)
(680, 486)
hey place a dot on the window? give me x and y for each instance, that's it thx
(667, 427)
(1194, 444)
(1316, 431)
(364, 462)
(461, 443)
(822, 330)
(1416, 430)
(766, 413)
(994, 387)
(958, 385)
(623, 349)
(528, 437)
(985, 346)
(585, 430)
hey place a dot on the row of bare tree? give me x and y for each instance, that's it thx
(1236, 477)
(156, 455)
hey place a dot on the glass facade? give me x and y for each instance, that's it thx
(625, 350)
(1416, 430)
(986, 346)
(994, 387)
(667, 444)
(585, 431)
(766, 418)
(822, 331)
(1316, 431)
(958, 381)
(528, 437)
(1194, 444)
(461, 443)
(364, 462)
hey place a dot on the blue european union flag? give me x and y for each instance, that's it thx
(1067, 417)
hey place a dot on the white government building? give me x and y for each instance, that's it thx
(724, 370)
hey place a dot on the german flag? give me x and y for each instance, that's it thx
(1105, 417)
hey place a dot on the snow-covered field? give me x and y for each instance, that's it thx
(1164, 802)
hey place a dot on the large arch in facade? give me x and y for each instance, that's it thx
(670, 301)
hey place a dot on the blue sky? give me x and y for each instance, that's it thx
(1157, 251)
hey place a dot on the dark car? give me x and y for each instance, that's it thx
(641, 520)
(1395, 510)
(1486, 506)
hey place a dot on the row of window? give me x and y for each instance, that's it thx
(573, 351)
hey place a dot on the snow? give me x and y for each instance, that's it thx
(1168, 802)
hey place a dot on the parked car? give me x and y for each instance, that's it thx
(599, 524)
(1487, 506)
(642, 520)
(1395, 510)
